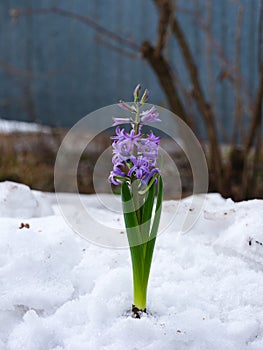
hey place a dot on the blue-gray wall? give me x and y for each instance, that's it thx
(54, 69)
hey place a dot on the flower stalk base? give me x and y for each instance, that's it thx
(136, 312)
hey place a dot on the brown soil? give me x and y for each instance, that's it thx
(29, 158)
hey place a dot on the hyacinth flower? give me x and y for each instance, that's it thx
(135, 169)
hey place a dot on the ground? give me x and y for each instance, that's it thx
(59, 291)
(29, 151)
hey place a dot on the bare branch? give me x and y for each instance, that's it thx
(84, 19)
(164, 74)
(14, 71)
(209, 53)
(165, 15)
(260, 35)
(206, 112)
(10, 101)
(256, 162)
(211, 81)
(256, 118)
(229, 71)
(238, 120)
(121, 51)
(188, 99)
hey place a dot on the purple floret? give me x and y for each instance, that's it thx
(140, 167)
(150, 116)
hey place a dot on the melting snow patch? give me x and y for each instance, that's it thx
(59, 292)
(8, 126)
(17, 200)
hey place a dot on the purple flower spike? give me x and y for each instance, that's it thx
(135, 154)
(150, 116)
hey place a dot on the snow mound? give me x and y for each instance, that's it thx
(59, 292)
(18, 201)
(244, 236)
(9, 126)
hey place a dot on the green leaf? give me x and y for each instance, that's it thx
(133, 233)
(130, 217)
(153, 234)
(139, 228)
(158, 209)
(142, 192)
(147, 209)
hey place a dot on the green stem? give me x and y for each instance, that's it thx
(135, 191)
(137, 200)
(137, 118)
(139, 295)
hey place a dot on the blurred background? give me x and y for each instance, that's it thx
(202, 59)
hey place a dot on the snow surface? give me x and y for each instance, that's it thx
(8, 126)
(58, 291)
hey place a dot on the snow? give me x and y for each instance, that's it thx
(59, 291)
(9, 126)
(17, 200)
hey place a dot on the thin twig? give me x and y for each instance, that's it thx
(118, 49)
(10, 101)
(14, 71)
(84, 19)
(229, 70)
(254, 128)
(238, 119)
(206, 112)
(260, 35)
(211, 82)
(256, 117)
(164, 74)
(165, 13)
(256, 160)
(188, 100)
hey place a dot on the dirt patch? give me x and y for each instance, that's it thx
(29, 158)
